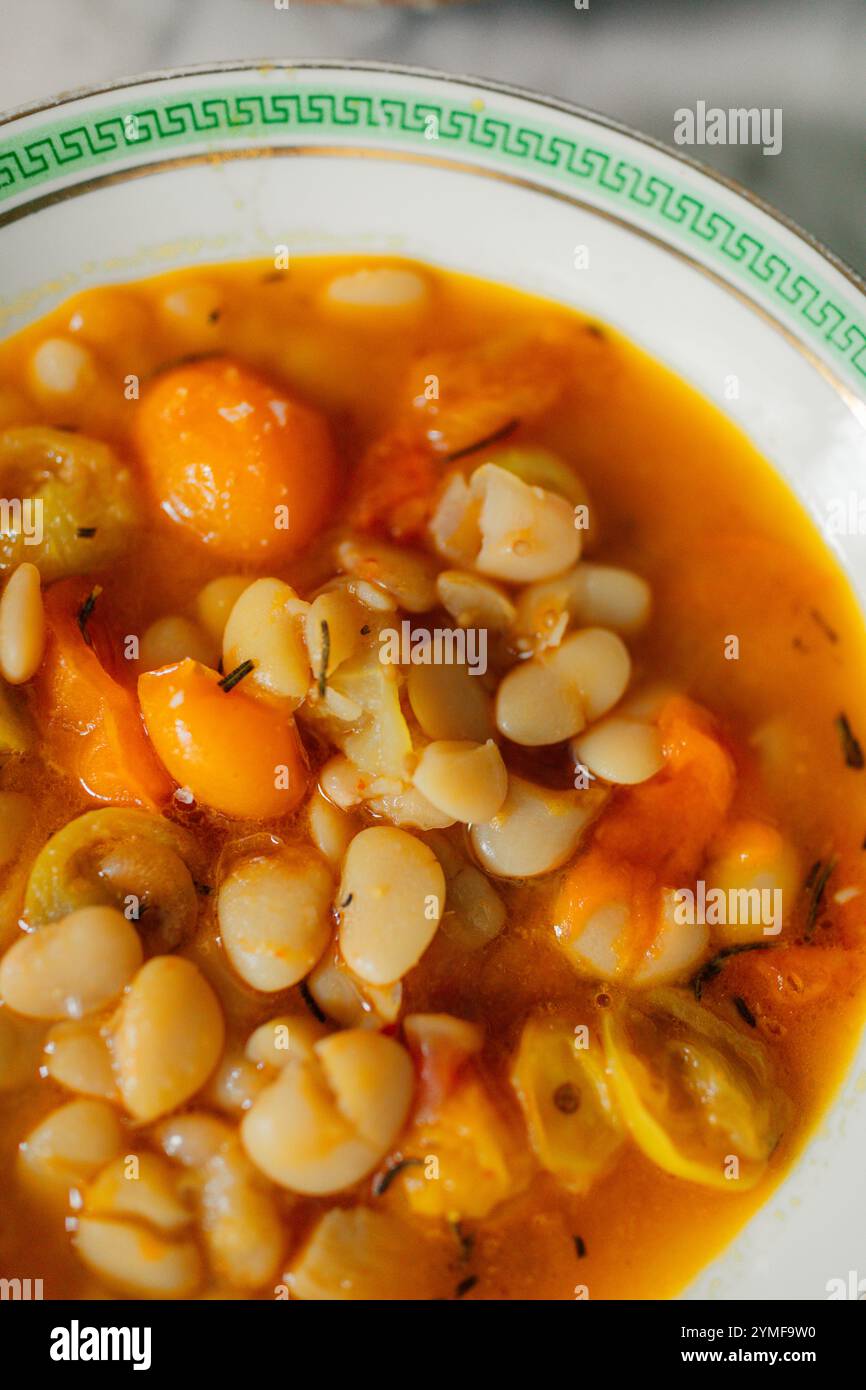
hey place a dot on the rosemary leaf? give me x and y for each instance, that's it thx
(236, 676)
(851, 749)
(85, 613)
(495, 438)
(326, 657)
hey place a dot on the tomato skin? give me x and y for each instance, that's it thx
(91, 724)
(234, 461)
(225, 746)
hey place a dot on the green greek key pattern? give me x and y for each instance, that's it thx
(153, 129)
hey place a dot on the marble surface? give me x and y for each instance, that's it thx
(636, 60)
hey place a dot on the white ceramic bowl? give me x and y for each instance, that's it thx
(183, 168)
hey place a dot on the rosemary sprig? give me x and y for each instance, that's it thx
(816, 883)
(236, 676)
(714, 967)
(851, 750)
(466, 1285)
(311, 1004)
(322, 681)
(384, 1180)
(85, 613)
(495, 438)
(744, 1011)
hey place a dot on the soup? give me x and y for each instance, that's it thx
(431, 801)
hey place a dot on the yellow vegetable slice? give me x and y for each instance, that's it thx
(112, 856)
(566, 1100)
(83, 496)
(697, 1095)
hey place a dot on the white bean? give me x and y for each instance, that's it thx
(526, 532)
(331, 828)
(266, 626)
(175, 638)
(79, 1059)
(323, 1124)
(274, 916)
(240, 1220)
(594, 595)
(168, 1037)
(391, 898)
(349, 1001)
(620, 750)
(536, 704)
(468, 781)
(408, 575)
(73, 967)
(143, 1187)
(476, 913)
(60, 367)
(449, 703)
(386, 287)
(535, 830)
(70, 1145)
(274, 1042)
(598, 663)
(136, 1260)
(215, 602)
(474, 601)
(193, 1138)
(22, 625)
(235, 1084)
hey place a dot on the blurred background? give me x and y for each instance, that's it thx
(635, 60)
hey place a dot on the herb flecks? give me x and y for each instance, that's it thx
(466, 1286)
(744, 1011)
(579, 1247)
(85, 533)
(85, 613)
(311, 1004)
(495, 438)
(322, 682)
(851, 749)
(815, 885)
(465, 1241)
(383, 1181)
(235, 677)
(819, 619)
(715, 966)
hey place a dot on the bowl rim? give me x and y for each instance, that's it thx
(232, 65)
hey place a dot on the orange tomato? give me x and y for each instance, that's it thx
(394, 487)
(655, 834)
(235, 461)
(667, 823)
(234, 752)
(91, 724)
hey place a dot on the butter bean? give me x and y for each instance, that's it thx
(168, 1037)
(392, 895)
(466, 780)
(22, 625)
(73, 967)
(274, 916)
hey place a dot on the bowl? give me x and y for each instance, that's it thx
(227, 162)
